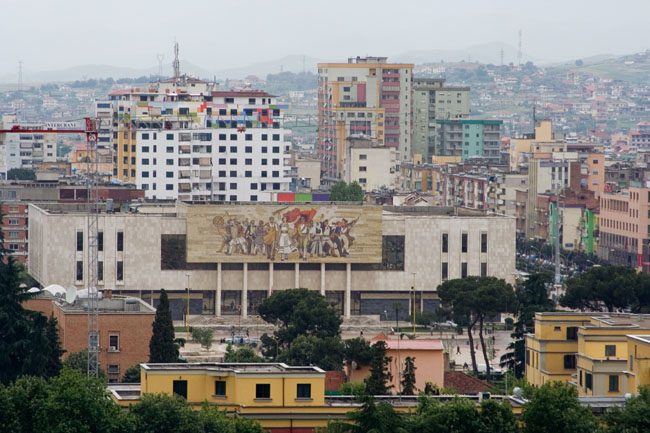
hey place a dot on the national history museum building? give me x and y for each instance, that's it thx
(363, 258)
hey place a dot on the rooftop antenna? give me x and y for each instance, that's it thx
(161, 57)
(519, 55)
(177, 63)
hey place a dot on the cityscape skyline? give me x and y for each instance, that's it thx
(262, 32)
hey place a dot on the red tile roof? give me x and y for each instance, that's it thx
(464, 383)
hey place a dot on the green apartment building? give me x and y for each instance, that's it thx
(469, 139)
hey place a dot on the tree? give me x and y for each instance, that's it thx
(164, 413)
(54, 350)
(357, 351)
(162, 347)
(474, 299)
(21, 174)
(76, 403)
(26, 396)
(132, 374)
(370, 418)
(609, 287)
(633, 417)
(380, 377)
(241, 354)
(326, 353)
(554, 408)
(298, 312)
(203, 336)
(408, 377)
(342, 191)
(26, 339)
(531, 297)
(79, 361)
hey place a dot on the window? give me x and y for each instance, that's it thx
(145, 174)
(248, 173)
(169, 149)
(169, 162)
(276, 161)
(303, 391)
(463, 241)
(248, 161)
(233, 161)
(145, 161)
(445, 271)
(445, 243)
(80, 270)
(80, 241)
(222, 137)
(572, 333)
(170, 137)
(100, 271)
(233, 149)
(180, 388)
(393, 253)
(613, 383)
(569, 362)
(120, 271)
(253, 197)
(580, 382)
(113, 343)
(120, 241)
(275, 174)
(220, 388)
(265, 137)
(265, 149)
(248, 149)
(484, 243)
(363, 168)
(233, 185)
(263, 390)
(363, 156)
(145, 149)
(276, 149)
(484, 269)
(276, 137)
(233, 137)
(463, 270)
(588, 383)
(169, 187)
(248, 137)
(610, 350)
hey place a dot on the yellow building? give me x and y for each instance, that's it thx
(284, 399)
(637, 371)
(588, 350)
(518, 146)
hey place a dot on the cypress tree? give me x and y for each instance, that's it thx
(54, 349)
(162, 348)
(408, 377)
(376, 383)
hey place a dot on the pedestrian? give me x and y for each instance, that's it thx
(476, 346)
(458, 350)
(361, 333)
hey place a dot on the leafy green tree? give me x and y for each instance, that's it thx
(609, 287)
(76, 403)
(554, 408)
(326, 353)
(79, 361)
(203, 336)
(26, 397)
(353, 388)
(161, 413)
(408, 377)
(342, 191)
(497, 417)
(241, 354)
(474, 299)
(132, 374)
(378, 383)
(370, 418)
(357, 351)
(299, 312)
(21, 174)
(633, 416)
(162, 347)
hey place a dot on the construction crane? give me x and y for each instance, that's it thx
(90, 131)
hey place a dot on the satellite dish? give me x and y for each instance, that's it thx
(71, 295)
(34, 290)
(517, 392)
(55, 290)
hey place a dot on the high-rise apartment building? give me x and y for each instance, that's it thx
(432, 101)
(184, 140)
(26, 149)
(366, 96)
(468, 139)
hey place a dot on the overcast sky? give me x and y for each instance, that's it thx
(215, 34)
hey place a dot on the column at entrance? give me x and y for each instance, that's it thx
(348, 288)
(244, 293)
(218, 300)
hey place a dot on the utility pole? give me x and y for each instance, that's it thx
(187, 311)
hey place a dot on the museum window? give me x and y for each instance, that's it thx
(484, 242)
(303, 391)
(100, 271)
(484, 269)
(445, 243)
(179, 388)
(445, 271)
(220, 388)
(263, 391)
(80, 270)
(120, 271)
(463, 241)
(80, 241)
(463, 270)
(393, 253)
(100, 241)
(120, 241)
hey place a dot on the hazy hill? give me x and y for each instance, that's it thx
(483, 53)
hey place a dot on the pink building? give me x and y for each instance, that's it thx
(625, 228)
(429, 362)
